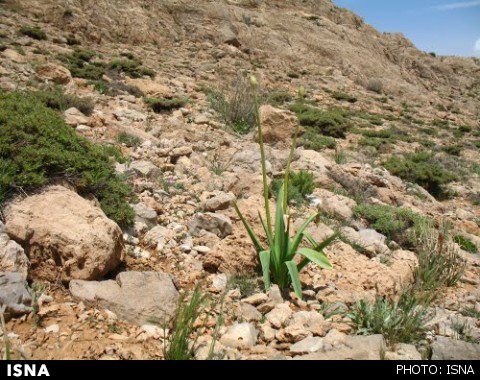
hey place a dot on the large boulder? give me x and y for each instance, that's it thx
(64, 235)
(54, 73)
(277, 124)
(14, 294)
(136, 297)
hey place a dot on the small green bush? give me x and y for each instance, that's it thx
(312, 140)
(453, 150)
(34, 32)
(72, 40)
(245, 284)
(375, 85)
(342, 96)
(465, 244)
(37, 147)
(393, 222)
(57, 100)
(300, 185)
(131, 67)
(116, 88)
(422, 169)
(279, 97)
(159, 105)
(80, 64)
(332, 122)
(128, 139)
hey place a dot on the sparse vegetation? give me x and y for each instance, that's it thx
(130, 67)
(36, 147)
(465, 244)
(34, 32)
(81, 64)
(116, 88)
(159, 105)
(128, 139)
(300, 185)
(375, 85)
(342, 96)
(56, 99)
(245, 284)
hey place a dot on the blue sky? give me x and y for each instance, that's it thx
(447, 27)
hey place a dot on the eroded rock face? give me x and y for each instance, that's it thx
(64, 235)
(54, 73)
(136, 297)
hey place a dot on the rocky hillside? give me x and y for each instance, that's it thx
(128, 133)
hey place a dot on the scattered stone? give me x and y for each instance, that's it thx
(219, 224)
(219, 282)
(135, 297)
(256, 299)
(145, 168)
(277, 124)
(279, 316)
(403, 352)
(240, 335)
(220, 201)
(145, 214)
(55, 328)
(307, 345)
(64, 235)
(249, 313)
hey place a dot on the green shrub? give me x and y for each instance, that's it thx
(453, 150)
(401, 321)
(422, 169)
(80, 64)
(399, 224)
(293, 75)
(34, 32)
(375, 142)
(375, 85)
(130, 67)
(116, 88)
(57, 100)
(37, 147)
(331, 122)
(465, 244)
(159, 105)
(246, 285)
(277, 98)
(128, 139)
(342, 96)
(300, 185)
(312, 140)
(71, 40)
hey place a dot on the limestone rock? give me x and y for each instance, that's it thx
(64, 235)
(12, 256)
(277, 124)
(450, 349)
(74, 117)
(240, 335)
(54, 73)
(14, 295)
(219, 224)
(135, 297)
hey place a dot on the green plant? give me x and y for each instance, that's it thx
(401, 321)
(55, 98)
(179, 346)
(465, 244)
(340, 157)
(80, 64)
(72, 40)
(278, 260)
(244, 283)
(159, 105)
(439, 263)
(301, 184)
(423, 169)
(34, 32)
(471, 312)
(332, 122)
(342, 96)
(130, 67)
(128, 139)
(464, 331)
(116, 88)
(36, 290)
(312, 140)
(453, 150)
(375, 85)
(399, 224)
(37, 147)
(115, 329)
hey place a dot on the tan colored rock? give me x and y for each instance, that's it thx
(150, 88)
(64, 235)
(54, 73)
(14, 56)
(277, 125)
(12, 256)
(74, 117)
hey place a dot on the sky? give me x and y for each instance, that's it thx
(446, 27)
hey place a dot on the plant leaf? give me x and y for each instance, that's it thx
(292, 269)
(267, 232)
(317, 257)
(265, 262)
(297, 239)
(253, 237)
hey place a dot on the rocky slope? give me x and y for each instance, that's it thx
(94, 290)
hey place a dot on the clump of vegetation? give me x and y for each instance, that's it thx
(332, 122)
(37, 147)
(34, 32)
(471, 312)
(81, 64)
(465, 244)
(300, 185)
(278, 260)
(55, 98)
(453, 150)
(131, 67)
(277, 98)
(245, 284)
(398, 224)
(236, 107)
(72, 40)
(401, 321)
(179, 345)
(116, 88)
(342, 96)
(128, 139)
(159, 105)
(314, 141)
(439, 263)
(375, 85)
(422, 169)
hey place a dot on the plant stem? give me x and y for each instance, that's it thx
(263, 159)
(287, 170)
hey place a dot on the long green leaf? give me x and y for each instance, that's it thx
(265, 228)
(292, 269)
(317, 257)
(324, 244)
(265, 262)
(279, 239)
(253, 237)
(297, 239)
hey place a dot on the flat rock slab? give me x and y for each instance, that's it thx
(14, 295)
(451, 349)
(136, 297)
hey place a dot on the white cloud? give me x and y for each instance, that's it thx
(457, 5)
